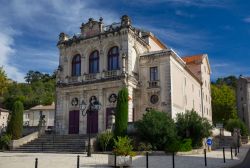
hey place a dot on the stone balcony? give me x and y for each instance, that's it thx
(93, 77)
(154, 84)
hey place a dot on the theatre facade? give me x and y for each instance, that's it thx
(96, 63)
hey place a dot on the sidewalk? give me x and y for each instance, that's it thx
(49, 160)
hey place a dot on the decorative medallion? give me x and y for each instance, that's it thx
(154, 99)
(74, 101)
(112, 98)
(92, 99)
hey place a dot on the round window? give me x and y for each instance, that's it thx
(154, 99)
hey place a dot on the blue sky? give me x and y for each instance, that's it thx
(221, 28)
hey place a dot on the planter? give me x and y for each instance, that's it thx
(120, 160)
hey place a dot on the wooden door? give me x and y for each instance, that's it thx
(92, 122)
(74, 122)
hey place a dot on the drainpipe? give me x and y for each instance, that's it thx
(202, 112)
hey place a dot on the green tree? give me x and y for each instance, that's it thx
(191, 125)
(121, 116)
(3, 81)
(38, 91)
(229, 81)
(15, 125)
(157, 128)
(236, 123)
(223, 103)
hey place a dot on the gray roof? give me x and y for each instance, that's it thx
(3, 110)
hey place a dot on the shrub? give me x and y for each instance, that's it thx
(144, 147)
(121, 115)
(191, 125)
(15, 126)
(105, 140)
(186, 145)
(174, 147)
(237, 123)
(156, 128)
(5, 141)
(123, 146)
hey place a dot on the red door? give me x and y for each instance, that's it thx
(92, 122)
(74, 122)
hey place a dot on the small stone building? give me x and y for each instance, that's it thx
(102, 59)
(32, 116)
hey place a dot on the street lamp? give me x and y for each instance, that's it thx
(86, 110)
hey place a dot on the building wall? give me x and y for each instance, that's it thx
(33, 117)
(206, 89)
(185, 90)
(161, 88)
(3, 119)
(243, 97)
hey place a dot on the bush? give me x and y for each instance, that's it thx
(237, 123)
(5, 141)
(123, 146)
(156, 128)
(174, 147)
(121, 115)
(15, 125)
(144, 147)
(105, 140)
(191, 125)
(186, 145)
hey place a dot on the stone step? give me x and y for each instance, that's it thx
(58, 143)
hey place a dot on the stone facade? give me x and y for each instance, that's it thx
(4, 115)
(243, 99)
(156, 77)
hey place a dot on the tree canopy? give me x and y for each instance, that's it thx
(39, 89)
(223, 103)
(191, 125)
(3, 81)
(157, 128)
(121, 115)
(15, 125)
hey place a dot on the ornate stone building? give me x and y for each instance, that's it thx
(101, 60)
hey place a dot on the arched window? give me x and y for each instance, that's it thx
(76, 65)
(113, 58)
(94, 62)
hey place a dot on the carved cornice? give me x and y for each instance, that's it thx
(63, 85)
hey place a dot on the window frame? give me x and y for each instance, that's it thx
(74, 64)
(111, 59)
(94, 59)
(153, 73)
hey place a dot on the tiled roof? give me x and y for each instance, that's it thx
(42, 107)
(193, 58)
(3, 110)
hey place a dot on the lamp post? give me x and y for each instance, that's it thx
(86, 110)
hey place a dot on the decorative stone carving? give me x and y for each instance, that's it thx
(125, 21)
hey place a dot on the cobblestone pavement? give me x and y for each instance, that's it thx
(49, 160)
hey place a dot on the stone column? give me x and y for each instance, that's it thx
(101, 111)
(130, 103)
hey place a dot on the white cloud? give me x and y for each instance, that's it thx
(39, 20)
(196, 3)
(247, 19)
(184, 14)
(6, 53)
(222, 68)
(185, 42)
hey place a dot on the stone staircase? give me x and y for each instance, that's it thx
(56, 143)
